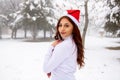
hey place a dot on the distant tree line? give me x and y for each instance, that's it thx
(39, 15)
(30, 16)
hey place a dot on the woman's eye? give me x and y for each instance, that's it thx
(66, 25)
(59, 25)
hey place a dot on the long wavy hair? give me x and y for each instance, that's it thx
(77, 39)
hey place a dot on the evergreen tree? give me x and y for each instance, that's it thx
(113, 19)
(3, 23)
(35, 14)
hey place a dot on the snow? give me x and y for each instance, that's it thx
(18, 18)
(21, 60)
(32, 7)
(50, 20)
(27, 2)
(115, 9)
(28, 16)
(3, 16)
(34, 18)
(36, 2)
(113, 2)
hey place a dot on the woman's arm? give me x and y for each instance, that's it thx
(49, 53)
(59, 54)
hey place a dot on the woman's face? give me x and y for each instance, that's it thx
(65, 28)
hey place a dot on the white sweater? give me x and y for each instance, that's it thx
(61, 60)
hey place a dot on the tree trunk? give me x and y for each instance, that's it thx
(34, 31)
(44, 33)
(86, 22)
(0, 33)
(51, 33)
(12, 35)
(25, 32)
(15, 32)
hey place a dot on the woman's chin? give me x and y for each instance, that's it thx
(63, 37)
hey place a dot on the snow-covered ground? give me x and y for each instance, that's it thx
(23, 60)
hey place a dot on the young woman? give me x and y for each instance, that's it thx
(66, 51)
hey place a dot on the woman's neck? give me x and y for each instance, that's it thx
(68, 37)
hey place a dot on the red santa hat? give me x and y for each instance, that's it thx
(74, 15)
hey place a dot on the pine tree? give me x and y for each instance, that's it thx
(113, 19)
(35, 14)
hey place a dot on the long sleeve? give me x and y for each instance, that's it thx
(48, 56)
(60, 53)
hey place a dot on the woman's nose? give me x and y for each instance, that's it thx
(62, 28)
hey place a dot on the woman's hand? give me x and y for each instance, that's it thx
(56, 42)
(49, 74)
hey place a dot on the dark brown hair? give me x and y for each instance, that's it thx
(77, 39)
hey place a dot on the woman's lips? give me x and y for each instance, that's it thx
(63, 32)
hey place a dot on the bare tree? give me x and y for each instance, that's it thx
(86, 22)
(0, 33)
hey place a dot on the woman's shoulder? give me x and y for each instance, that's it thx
(66, 44)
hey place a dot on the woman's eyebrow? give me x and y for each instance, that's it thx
(63, 23)
(66, 23)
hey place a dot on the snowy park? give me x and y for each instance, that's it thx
(20, 60)
(27, 28)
